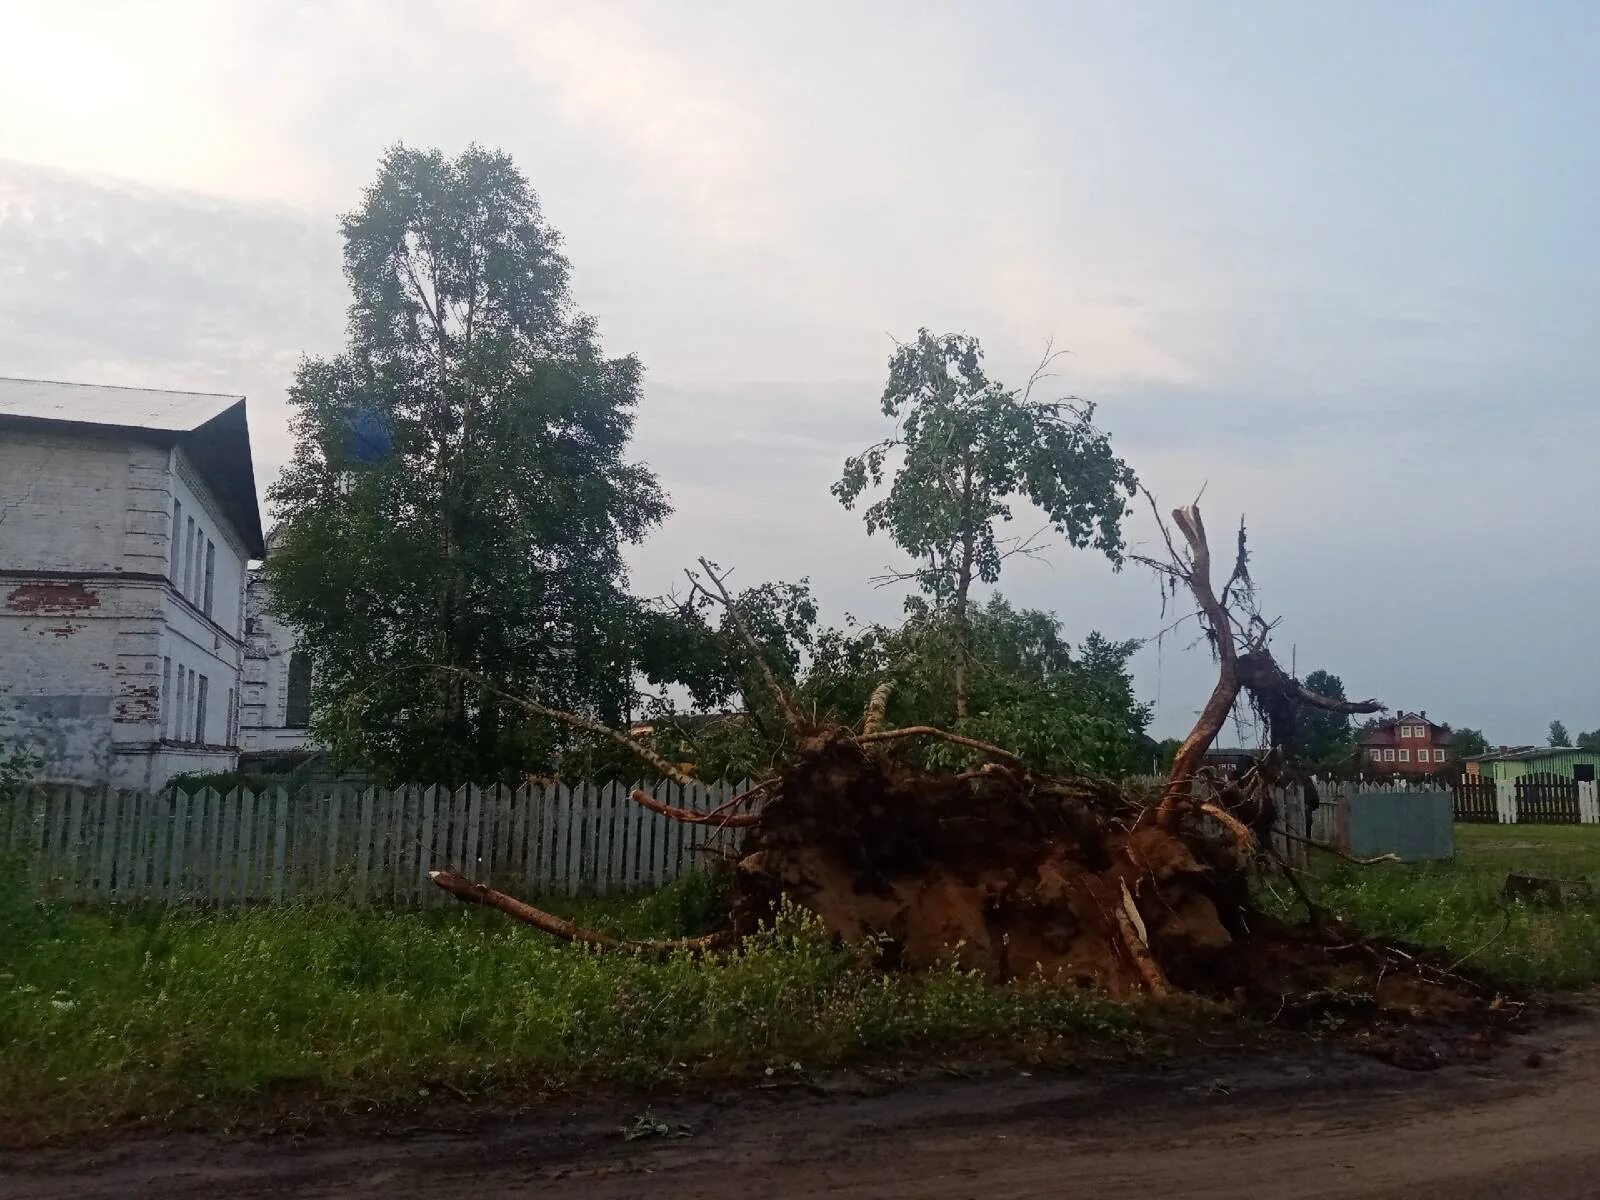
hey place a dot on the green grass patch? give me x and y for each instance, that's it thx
(110, 1017)
(1458, 906)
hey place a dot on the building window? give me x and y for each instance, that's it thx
(1405, 755)
(188, 560)
(1388, 755)
(297, 710)
(166, 695)
(1438, 756)
(1375, 754)
(176, 538)
(232, 721)
(211, 575)
(200, 712)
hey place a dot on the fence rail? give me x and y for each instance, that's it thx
(366, 844)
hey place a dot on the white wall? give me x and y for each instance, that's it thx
(88, 615)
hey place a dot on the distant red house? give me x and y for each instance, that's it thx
(1406, 744)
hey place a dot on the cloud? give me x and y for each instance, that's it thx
(113, 283)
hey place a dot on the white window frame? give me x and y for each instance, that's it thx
(1438, 756)
(1375, 754)
(1388, 754)
(1405, 754)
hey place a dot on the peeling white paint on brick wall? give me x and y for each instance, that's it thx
(95, 634)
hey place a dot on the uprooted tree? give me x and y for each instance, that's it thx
(1015, 871)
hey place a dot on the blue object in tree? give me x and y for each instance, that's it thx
(370, 440)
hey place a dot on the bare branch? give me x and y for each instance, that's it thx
(786, 706)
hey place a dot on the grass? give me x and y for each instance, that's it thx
(111, 1017)
(1457, 905)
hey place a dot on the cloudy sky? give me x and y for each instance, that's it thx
(1336, 263)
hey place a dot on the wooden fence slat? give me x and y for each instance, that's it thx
(560, 819)
(55, 850)
(72, 845)
(538, 838)
(280, 842)
(472, 856)
(363, 845)
(106, 853)
(516, 851)
(243, 878)
(424, 846)
(228, 853)
(177, 842)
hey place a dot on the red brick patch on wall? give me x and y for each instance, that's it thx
(51, 599)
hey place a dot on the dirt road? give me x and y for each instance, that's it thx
(1313, 1124)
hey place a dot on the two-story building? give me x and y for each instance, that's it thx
(128, 519)
(1405, 744)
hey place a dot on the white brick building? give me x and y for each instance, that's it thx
(276, 708)
(128, 519)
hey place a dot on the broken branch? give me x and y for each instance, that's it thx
(689, 816)
(785, 705)
(481, 893)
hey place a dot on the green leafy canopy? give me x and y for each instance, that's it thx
(969, 448)
(488, 535)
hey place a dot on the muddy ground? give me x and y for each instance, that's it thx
(1311, 1122)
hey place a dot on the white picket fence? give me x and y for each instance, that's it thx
(377, 845)
(362, 844)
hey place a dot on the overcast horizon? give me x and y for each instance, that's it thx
(1335, 265)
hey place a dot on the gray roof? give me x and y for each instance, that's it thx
(1527, 753)
(99, 404)
(212, 429)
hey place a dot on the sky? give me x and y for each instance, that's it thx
(1338, 265)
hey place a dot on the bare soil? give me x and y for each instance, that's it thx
(1312, 1122)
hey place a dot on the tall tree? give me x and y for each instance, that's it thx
(968, 448)
(460, 492)
(1466, 743)
(1590, 740)
(1559, 735)
(1321, 737)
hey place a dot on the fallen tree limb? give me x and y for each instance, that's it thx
(560, 927)
(689, 816)
(1338, 853)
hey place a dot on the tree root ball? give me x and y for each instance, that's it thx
(1017, 875)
